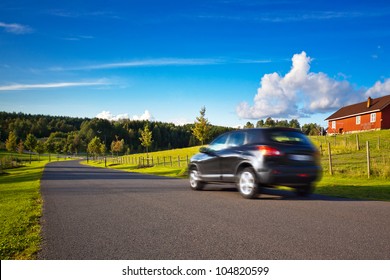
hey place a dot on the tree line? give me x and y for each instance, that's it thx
(309, 129)
(68, 135)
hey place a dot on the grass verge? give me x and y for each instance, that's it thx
(20, 211)
(355, 188)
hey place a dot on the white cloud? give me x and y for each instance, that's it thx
(299, 93)
(51, 85)
(107, 115)
(146, 116)
(379, 89)
(16, 28)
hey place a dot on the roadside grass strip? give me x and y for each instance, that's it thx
(20, 211)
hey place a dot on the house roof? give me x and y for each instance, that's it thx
(377, 104)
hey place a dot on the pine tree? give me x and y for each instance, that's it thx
(11, 143)
(201, 128)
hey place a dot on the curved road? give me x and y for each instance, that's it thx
(93, 213)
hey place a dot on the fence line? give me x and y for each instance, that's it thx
(142, 161)
(366, 161)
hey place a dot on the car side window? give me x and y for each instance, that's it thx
(219, 143)
(236, 139)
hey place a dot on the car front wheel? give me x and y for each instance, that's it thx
(195, 182)
(247, 183)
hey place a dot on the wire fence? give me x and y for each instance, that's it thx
(353, 155)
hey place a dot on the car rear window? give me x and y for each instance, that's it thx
(288, 137)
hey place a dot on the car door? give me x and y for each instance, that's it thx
(210, 166)
(232, 155)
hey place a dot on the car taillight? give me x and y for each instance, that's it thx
(269, 151)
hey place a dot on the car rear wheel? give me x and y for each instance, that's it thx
(305, 190)
(247, 184)
(195, 182)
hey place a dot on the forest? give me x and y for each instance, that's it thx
(69, 135)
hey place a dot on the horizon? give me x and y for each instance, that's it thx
(243, 60)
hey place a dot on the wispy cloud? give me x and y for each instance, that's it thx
(82, 14)
(78, 38)
(52, 85)
(161, 62)
(314, 16)
(16, 28)
(155, 62)
(287, 16)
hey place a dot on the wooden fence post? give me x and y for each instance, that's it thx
(357, 142)
(330, 159)
(368, 159)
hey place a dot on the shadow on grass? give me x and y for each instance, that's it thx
(11, 178)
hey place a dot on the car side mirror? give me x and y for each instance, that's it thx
(207, 150)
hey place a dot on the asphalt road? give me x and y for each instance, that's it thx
(93, 213)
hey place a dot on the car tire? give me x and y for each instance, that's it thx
(195, 182)
(246, 183)
(305, 190)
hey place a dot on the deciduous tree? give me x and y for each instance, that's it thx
(95, 146)
(146, 137)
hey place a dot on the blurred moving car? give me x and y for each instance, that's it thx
(256, 158)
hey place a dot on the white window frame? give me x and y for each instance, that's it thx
(358, 119)
(373, 117)
(333, 124)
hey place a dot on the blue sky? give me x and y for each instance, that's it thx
(163, 60)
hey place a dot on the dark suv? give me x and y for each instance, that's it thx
(254, 158)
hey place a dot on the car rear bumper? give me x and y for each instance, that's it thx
(289, 176)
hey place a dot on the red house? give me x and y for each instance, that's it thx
(373, 114)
